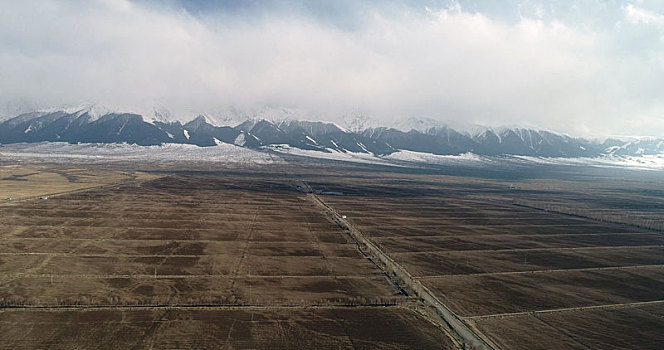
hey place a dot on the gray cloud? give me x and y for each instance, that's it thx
(453, 62)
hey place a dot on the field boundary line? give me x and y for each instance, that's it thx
(124, 255)
(578, 308)
(162, 240)
(159, 276)
(545, 271)
(503, 250)
(596, 215)
(57, 308)
(518, 235)
(470, 336)
(82, 224)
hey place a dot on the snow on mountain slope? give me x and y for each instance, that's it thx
(94, 124)
(239, 140)
(640, 146)
(222, 153)
(276, 115)
(93, 111)
(417, 124)
(231, 154)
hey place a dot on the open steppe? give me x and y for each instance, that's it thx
(522, 277)
(194, 260)
(28, 181)
(237, 258)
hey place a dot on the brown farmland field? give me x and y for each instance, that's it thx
(236, 258)
(246, 328)
(194, 261)
(524, 278)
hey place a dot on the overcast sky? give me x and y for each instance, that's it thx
(586, 67)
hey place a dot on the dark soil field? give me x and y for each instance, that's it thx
(265, 244)
(523, 277)
(476, 295)
(228, 262)
(630, 327)
(247, 328)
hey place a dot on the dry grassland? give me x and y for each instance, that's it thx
(525, 278)
(202, 261)
(23, 182)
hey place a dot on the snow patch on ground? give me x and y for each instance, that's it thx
(418, 159)
(429, 158)
(356, 157)
(645, 162)
(223, 153)
(469, 159)
(228, 153)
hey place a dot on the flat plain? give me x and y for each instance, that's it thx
(29, 181)
(244, 258)
(250, 260)
(524, 278)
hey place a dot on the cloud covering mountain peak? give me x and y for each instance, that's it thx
(546, 65)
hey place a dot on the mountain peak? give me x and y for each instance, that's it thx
(418, 124)
(199, 122)
(92, 123)
(94, 111)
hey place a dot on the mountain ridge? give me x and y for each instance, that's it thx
(97, 125)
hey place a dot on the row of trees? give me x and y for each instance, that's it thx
(83, 300)
(610, 216)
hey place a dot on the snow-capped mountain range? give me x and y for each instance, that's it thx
(98, 125)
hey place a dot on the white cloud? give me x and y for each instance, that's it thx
(640, 15)
(449, 64)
